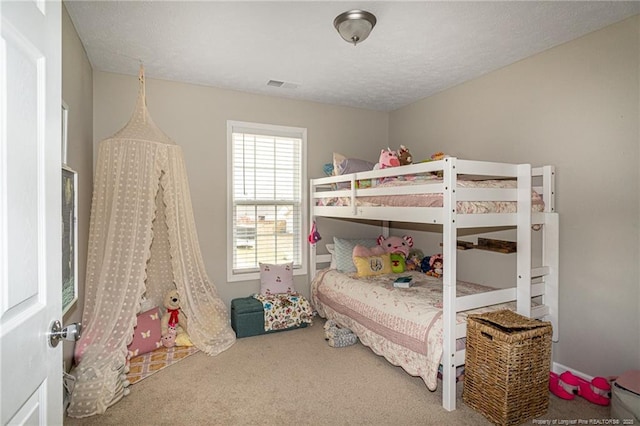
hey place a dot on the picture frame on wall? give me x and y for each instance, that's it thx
(69, 238)
(65, 126)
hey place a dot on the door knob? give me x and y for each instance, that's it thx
(57, 333)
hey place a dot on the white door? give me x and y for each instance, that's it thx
(30, 211)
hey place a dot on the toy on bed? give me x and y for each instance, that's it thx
(404, 156)
(435, 266)
(372, 257)
(435, 157)
(396, 244)
(414, 259)
(388, 158)
(174, 322)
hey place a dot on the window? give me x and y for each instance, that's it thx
(267, 198)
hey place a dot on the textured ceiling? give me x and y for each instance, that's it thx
(416, 49)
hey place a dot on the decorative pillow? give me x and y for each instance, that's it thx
(344, 251)
(343, 165)
(147, 335)
(373, 265)
(276, 279)
(331, 248)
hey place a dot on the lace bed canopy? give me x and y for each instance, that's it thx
(142, 242)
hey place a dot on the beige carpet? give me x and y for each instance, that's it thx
(295, 378)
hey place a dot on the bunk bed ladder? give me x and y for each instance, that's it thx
(449, 311)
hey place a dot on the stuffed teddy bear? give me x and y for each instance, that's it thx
(174, 316)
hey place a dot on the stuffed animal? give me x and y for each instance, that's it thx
(396, 244)
(439, 156)
(436, 266)
(414, 259)
(169, 339)
(174, 315)
(404, 156)
(398, 264)
(387, 159)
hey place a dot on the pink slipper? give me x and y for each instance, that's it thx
(560, 388)
(598, 391)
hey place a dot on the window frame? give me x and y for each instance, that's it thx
(270, 130)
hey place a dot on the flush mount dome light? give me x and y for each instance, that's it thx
(355, 25)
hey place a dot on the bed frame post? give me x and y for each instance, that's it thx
(312, 250)
(449, 310)
(523, 272)
(550, 258)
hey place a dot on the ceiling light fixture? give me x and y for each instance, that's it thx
(354, 26)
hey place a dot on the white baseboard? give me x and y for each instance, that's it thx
(559, 369)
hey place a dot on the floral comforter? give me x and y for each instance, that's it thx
(402, 324)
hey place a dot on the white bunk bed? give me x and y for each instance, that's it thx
(540, 282)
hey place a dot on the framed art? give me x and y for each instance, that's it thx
(69, 238)
(65, 126)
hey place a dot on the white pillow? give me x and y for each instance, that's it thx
(276, 279)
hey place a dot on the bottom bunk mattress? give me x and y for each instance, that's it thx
(402, 324)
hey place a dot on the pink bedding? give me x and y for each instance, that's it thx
(403, 325)
(435, 199)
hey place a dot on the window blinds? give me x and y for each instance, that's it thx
(267, 198)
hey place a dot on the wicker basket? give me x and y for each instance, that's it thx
(507, 363)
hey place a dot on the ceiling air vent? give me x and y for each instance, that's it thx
(283, 84)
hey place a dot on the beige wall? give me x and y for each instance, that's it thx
(195, 118)
(577, 107)
(77, 93)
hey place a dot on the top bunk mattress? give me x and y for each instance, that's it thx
(435, 199)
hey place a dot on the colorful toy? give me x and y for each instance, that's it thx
(314, 235)
(388, 158)
(414, 259)
(567, 385)
(398, 264)
(435, 266)
(424, 264)
(169, 339)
